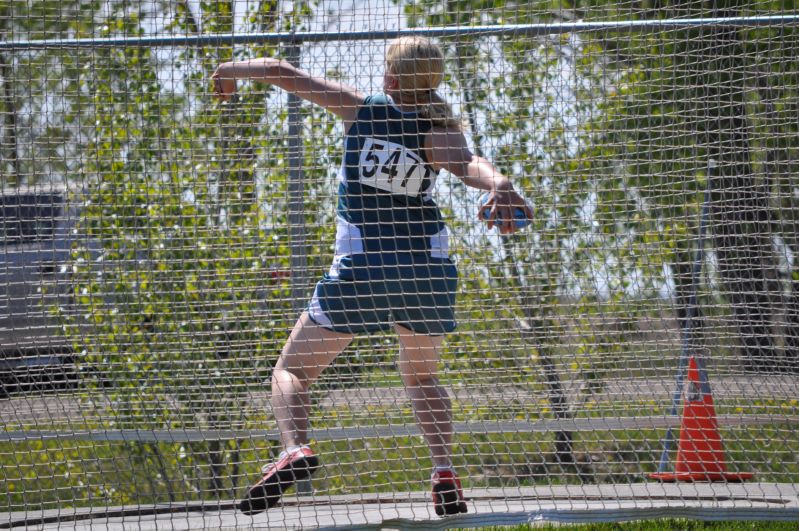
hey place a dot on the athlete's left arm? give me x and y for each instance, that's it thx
(447, 149)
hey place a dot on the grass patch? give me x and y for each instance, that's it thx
(72, 473)
(658, 525)
(64, 473)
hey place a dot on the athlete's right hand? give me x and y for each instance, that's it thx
(502, 204)
(224, 81)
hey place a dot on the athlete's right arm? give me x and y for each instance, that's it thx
(336, 97)
(446, 149)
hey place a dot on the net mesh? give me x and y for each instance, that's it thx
(159, 245)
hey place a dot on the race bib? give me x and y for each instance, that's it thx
(392, 167)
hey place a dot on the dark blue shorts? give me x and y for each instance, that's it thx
(370, 292)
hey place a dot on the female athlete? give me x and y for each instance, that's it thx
(391, 265)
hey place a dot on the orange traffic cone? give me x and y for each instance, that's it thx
(700, 456)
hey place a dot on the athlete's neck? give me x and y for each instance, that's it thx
(399, 103)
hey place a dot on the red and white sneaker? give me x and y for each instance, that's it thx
(447, 493)
(277, 478)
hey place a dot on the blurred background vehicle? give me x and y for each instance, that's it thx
(37, 231)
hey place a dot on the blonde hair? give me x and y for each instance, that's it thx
(418, 65)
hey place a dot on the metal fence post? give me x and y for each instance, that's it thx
(296, 213)
(296, 192)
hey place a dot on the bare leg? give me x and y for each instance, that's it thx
(308, 351)
(418, 364)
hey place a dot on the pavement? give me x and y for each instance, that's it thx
(71, 411)
(68, 417)
(412, 510)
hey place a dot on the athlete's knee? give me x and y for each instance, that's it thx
(286, 380)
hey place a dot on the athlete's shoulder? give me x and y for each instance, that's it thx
(374, 107)
(377, 100)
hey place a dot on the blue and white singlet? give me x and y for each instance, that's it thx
(385, 202)
(391, 263)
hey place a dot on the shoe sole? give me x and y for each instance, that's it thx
(446, 500)
(266, 493)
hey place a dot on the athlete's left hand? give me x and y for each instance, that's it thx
(503, 204)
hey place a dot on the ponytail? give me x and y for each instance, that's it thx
(439, 112)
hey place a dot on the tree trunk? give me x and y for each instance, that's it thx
(529, 328)
(691, 325)
(777, 171)
(216, 464)
(739, 211)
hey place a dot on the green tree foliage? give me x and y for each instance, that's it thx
(687, 98)
(616, 152)
(37, 139)
(612, 135)
(183, 284)
(537, 107)
(187, 200)
(532, 122)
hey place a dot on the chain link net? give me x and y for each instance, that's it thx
(159, 245)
